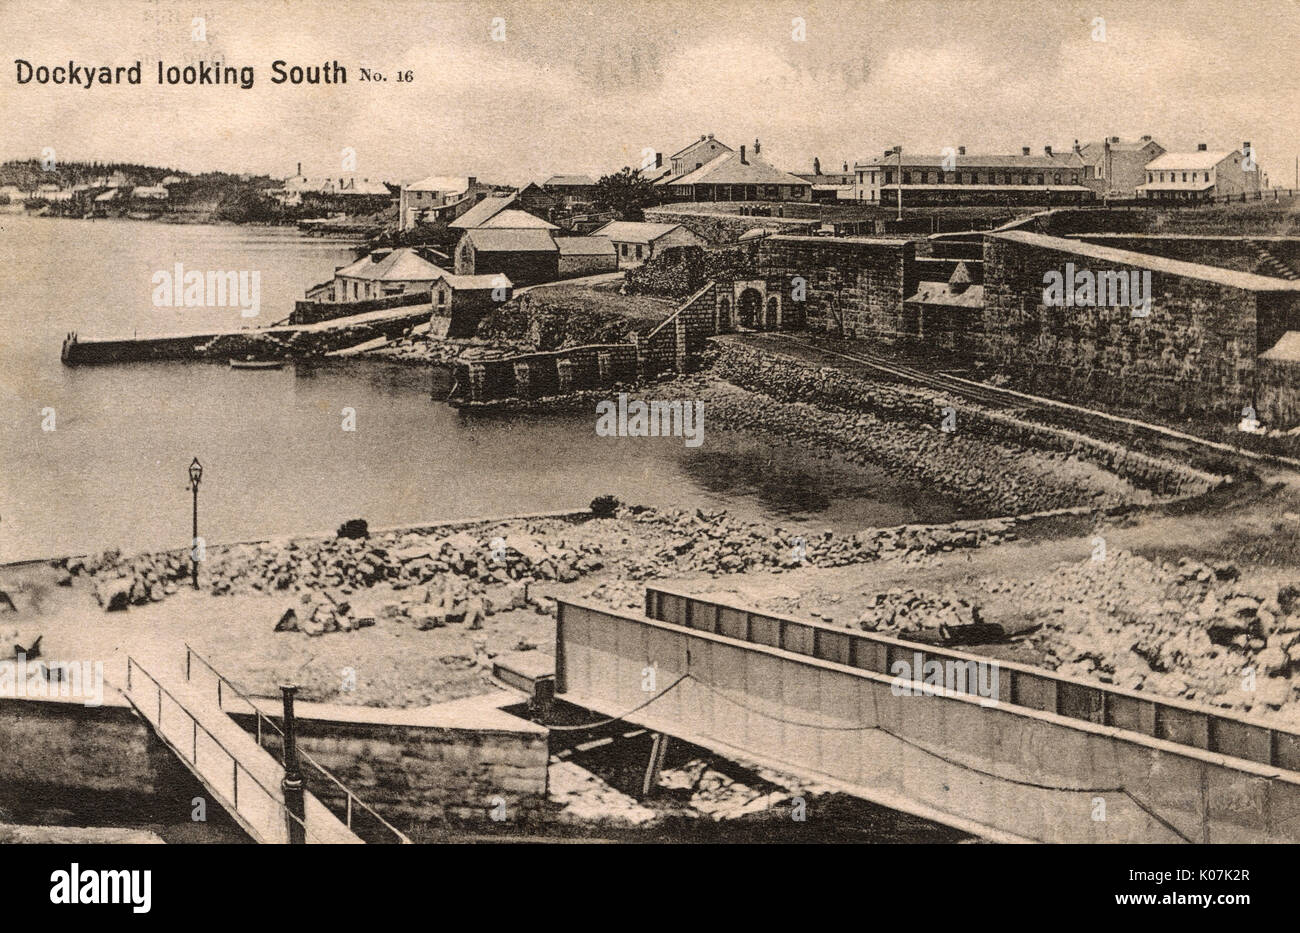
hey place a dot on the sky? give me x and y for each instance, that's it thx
(587, 87)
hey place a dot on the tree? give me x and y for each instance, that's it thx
(625, 192)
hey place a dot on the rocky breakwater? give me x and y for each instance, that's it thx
(989, 459)
(718, 544)
(456, 577)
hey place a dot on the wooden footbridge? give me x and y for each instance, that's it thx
(1041, 758)
(190, 711)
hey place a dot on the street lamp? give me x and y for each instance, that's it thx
(196, 474)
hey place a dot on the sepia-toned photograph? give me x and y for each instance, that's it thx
(608, 422)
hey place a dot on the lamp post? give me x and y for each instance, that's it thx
(196, 474)
(292, 784)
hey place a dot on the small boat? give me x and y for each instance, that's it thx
(257, 364)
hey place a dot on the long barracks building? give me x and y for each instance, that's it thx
(958, 178)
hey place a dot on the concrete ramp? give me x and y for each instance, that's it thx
(238, 772)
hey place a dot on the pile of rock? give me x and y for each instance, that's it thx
(717, 543)
(320, 614)
(1186, 629)
(121, 583)
(344, 565)
(454, 601)
(906, 612)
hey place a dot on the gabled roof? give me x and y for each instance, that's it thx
(475, 282)
(517, 220)
(569, 181)
(689, 146)
(631, 231)
(481, 212)
(400, 265)
(1092, 150)
(727, 169)
(511, 241)
(585, 245)
(1200, 160)
(440, 183)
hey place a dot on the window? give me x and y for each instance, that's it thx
(1184, 176)
(623, 249)
(1056, 179)
(889, 177)
(638, 252)
(1074, 178)
(442, 298)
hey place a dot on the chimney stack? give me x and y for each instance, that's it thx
(659, 160)
(471, 181)
(1076, 146)
(1146, 139)
(1114, 139)
(1245, 147)
(703, 137)
(1047, 150)
(846, 168)
(1024, 150)
(755, 145)
(1200, 147)
(742, 156)
(961, 150)
(299, 175)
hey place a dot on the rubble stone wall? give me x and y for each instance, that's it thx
(1194, 353)
(855, 283)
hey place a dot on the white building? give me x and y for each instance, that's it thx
(1202, 175)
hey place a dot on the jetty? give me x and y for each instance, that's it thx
(276, 342)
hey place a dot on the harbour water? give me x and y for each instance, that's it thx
(277, 458)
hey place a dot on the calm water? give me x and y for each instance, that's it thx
(275, 457)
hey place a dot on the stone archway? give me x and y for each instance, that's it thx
(772, 320)
(749, 309)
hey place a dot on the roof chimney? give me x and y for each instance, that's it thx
(845, 170)
(742, 156)
(1245, 147)
(961, 150)
(299, 175)
(1146, 139)
(1076, 146)
(755, 145)
(1200, 147)
(1024, 150)
(1114, 139)
(659, 160)
(710, 136)
(1047, 150)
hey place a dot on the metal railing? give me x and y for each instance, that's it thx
(352, 801)
(230, 803)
